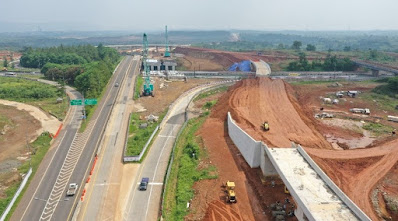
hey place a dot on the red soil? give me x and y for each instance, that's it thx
(253, 101)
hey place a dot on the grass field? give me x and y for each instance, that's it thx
(34, 93)
(139, 136)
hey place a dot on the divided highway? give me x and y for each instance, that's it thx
(104, 192)
(68, 160)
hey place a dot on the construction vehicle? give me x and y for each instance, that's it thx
(286, 190)
(266, 126)
(392, 118)
(230, 189)
(360, 111)
(148, 86)
(72, 189)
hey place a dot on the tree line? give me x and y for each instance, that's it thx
(330, 63)
(72, 55)
(85, 67)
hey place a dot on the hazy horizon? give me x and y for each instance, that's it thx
(123, 15)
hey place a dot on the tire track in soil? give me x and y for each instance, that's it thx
(219, 211)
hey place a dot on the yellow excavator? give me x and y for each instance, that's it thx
(266, 126)
(230, 189)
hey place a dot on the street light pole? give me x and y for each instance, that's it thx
(84, 107)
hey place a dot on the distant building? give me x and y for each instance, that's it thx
(161, 65)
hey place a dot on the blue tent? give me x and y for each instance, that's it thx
(241, 66)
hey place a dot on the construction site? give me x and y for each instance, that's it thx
(282, 149)
(359, 159)
(330, 121)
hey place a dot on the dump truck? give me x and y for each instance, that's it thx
(72, 189)
(360, 111)
(392, 118)
(230, 190)
(266, 126)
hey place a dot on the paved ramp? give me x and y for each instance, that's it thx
(262, 68)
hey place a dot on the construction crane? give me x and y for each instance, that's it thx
(148, 86)
(167, 53)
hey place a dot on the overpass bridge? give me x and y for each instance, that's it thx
(316, 196)
(376, 67)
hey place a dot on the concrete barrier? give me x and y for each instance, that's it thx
(353, 207)
(14, 198)
(248, 147)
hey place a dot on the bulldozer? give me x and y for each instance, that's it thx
(265, 126)
(230, 190)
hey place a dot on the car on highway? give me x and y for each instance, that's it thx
(72, 189)
(144, 183)
(117, 84)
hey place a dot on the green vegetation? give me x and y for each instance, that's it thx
(377, 129)
(72, 55)
(9, 192)
(39, 149)
(85, 67)
(390, 89)
(5, 62)
(297, 45)
(211, 92)
(310, 47)
(138, 85)
(209, 104)
(331, 63)
(385, 102)
(139, 136)
(184, 172)
(34, 93)
(184, 169)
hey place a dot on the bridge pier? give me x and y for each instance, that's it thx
(375, 73)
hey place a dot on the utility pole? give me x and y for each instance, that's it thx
(28, 146)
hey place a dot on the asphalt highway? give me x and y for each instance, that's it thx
(68, 161)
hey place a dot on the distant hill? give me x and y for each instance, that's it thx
(239, 39)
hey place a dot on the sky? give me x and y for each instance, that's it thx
(147, 15)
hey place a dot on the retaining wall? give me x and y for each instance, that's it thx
(248, 147)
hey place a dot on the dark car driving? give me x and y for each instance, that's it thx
(144, 183)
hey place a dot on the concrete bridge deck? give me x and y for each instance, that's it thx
(308, 188)
(317, 197)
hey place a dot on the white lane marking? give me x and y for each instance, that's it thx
(166, 136)
(156, 169)
(150, 183)
(45, 172)
(106, 184)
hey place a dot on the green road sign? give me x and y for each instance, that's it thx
(76, 102)
(90, 101)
